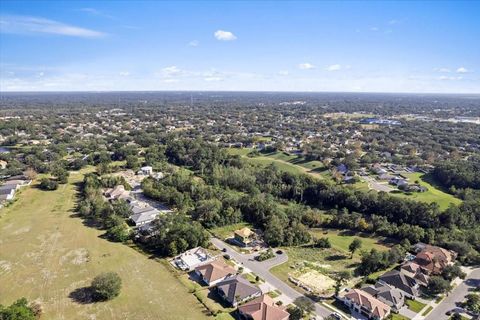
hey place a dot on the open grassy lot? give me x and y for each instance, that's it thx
(47, 254)
(340, 240)
(433, 194)
(304, 259)
(284, 161)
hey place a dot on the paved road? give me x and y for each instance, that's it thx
(262, 269)
(457, 295)
(374, 184)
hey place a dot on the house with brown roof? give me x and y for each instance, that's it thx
(433, 259)
(243, 236)
(214, 272)
(236, 290)
(262, 308)
(413, 270)
(364, 303)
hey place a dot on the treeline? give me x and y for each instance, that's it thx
(263, 187)
(459, 174)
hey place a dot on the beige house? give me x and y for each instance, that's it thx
(243, 236)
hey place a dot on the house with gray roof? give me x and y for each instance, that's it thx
(387, 294)
(237, 289)
(402, 281)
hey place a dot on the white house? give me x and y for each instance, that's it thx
(192, 258)
(147, 170)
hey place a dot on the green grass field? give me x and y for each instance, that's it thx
(46, 254)
(284, 161)
(433, 194)
(331, 260)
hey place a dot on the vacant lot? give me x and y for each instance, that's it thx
(284, 161)
(326, 261)
(46, 254)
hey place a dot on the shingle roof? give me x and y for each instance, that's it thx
(400, 281)
(237, 289)
(215, 270)
(376, 307)
(263, 308)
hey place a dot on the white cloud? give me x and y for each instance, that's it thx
(306, 66)
(334, 67)
(171, 71)
(194, 43)
(35, 25)
(224, 35)
(124, 73)
(462, 70)
(171, 80)
(283, 73)
(374, 29)
(443, 70)
(213, 79)
(449, 78)
(95, 12)
(393, 21)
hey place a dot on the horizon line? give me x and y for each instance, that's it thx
(237, 91)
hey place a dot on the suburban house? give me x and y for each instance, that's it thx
(243, 236)
(116, 193)
(389, 295)
(262, 308)
(433, 259)
(3, 164)
(237, 289)
(192, 258)
(400, 280)
(366, 304)
(413, 270)
(142, 216)
(213, 272)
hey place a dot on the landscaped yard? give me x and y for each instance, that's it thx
(48, 254)
(433, 194)
(414, 305)
(397, 316)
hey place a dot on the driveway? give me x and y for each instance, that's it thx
(458, 294)
(374, 184)
(262, 269)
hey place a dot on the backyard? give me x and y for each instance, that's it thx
(49, 255)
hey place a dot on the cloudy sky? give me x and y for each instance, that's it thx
(260, 46)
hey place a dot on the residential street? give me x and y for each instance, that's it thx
(262, 269)
(457, 295)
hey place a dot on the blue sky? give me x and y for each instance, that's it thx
(261, 46)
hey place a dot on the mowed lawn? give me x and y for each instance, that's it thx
(46, 254)
(433, 194)
(284, 161)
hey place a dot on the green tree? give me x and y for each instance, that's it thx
(437, 285)
(340, 279)
(305, 304)
(473, 303)
(19, 310)
(354, 246)
(106, 286)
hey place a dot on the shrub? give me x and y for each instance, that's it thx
(106, 286)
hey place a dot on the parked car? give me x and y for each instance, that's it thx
(336, 316)
(224, 250)
(279, 251)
